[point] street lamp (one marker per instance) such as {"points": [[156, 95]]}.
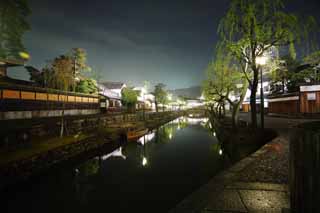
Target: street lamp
{"points": [[262, 60]]}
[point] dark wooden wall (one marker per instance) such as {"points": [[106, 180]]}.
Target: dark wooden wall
{"points": [[291, 106], [309, 106], [22, 100]]}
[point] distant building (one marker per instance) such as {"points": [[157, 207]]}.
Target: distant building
{"points": [[145, 98], [5, 63], [192, 103], [266, 92], [112, 93], [115, 87]]}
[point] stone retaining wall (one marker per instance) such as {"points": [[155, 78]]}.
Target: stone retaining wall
{"points": [[15, 133]]}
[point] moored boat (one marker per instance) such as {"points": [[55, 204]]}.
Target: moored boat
{"points": [[135, 133]]}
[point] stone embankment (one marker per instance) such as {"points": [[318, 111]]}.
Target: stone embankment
{"points": [[94, 134]]}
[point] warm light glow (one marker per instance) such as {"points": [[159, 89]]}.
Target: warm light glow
{"points": [[170, 135], [144, 161], [220, 152], [262, 60], [214, 134], [24, 55]]}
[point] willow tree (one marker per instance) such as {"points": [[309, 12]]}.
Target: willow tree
{"points": [[224, 79], [13, 24], [251, 28], [313, 60]]}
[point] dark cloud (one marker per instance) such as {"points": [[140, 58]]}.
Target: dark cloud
{"points": [[159, 41]]}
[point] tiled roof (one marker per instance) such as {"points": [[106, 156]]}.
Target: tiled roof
{"points": [[108, 93], [112, 85], [10, 62]]}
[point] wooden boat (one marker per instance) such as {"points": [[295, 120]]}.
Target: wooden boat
{"points": [[135, 133]]}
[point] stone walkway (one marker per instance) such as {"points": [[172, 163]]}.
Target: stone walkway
{"points": [[258, 183], [251, 185]]}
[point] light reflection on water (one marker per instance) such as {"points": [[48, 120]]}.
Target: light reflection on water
{"points": [[115, 153], [151, 174]]}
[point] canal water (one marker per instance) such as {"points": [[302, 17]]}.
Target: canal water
{"points": [[151, 174]]}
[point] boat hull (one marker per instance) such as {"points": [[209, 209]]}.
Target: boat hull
{"points": [[133, 135]]}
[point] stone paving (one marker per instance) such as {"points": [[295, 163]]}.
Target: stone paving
{"points": [[231, 192], [258, 183]]}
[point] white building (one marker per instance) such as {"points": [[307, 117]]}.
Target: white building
{"points": [[115, 87]]}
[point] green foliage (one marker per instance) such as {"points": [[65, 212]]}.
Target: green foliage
{"points": [[313, 59], [283, 74], [88, 86], [13, 24], [313, 72], [79, 57], [251, 28], [161, 95], [66, 73], [129, 97], [59, 74], [222, 77], [291, 73]]}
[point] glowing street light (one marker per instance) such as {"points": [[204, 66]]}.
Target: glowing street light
{"points": [[262, 60], [24, 55], [144, 161]]}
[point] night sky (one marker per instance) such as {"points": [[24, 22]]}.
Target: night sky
{"points": [[169, 41]]}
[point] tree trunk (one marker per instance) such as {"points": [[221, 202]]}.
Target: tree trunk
{"points": [[235, 114], [236, 106], [253, 107], [62, 122], [253, 97], [156, 106], [223, 110]]}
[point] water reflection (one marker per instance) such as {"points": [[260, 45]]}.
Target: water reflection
{"points": [[115, 153], [89, 168], [146, 138], [177, 157]]}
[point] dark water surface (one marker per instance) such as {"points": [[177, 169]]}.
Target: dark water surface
{"points": [[150, 175]]}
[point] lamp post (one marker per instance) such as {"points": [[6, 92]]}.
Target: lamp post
{"points": [[261, 61]]}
